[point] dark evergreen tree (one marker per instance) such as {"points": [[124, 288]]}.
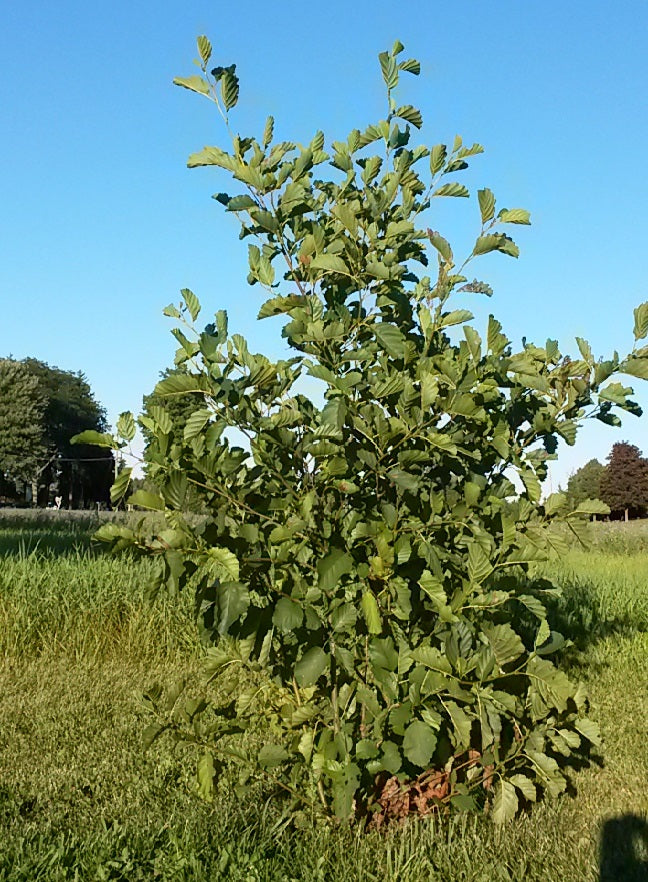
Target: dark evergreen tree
{"points": [[624, 484]]}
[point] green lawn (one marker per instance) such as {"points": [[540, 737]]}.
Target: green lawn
{"points": [[79, 799]]}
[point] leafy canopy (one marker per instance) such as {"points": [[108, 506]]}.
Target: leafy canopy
{"points": [[362, 575]]}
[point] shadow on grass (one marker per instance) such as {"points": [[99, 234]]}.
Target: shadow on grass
{"points": [[624, 850]]}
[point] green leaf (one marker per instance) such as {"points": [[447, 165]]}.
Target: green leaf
{"points": [[205, 774], [514, 216], [272, 755], [192, 303], [455, 317], [196, 422], [371, 612], [479, 566], [268, 131], [409, 114], [204, 49], [330, 263], [224, 563], [591, 507], [486, 204], [411, 65], [390, 338], [589, 730], [641, 321], [461, 723], [120, 485], [311, 666], [636, 367], [126, 426], [232, 602], [331, 568], [452, 189], [437, 158], [97, 439], [280, 305], [144, 499], [194, 83], [441, 245], [505, 643], [525, 786], [419, 743], [505, 802], [287, 615], [389, 70], [229, 89]]}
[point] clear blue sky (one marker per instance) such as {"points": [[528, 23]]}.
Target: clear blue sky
{"points": [[102, 223]]}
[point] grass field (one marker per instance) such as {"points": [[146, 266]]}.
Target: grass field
{"points": [[80, 799]]}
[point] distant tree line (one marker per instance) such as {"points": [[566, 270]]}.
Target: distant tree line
{"points": [[41, 408], [622, 483]]}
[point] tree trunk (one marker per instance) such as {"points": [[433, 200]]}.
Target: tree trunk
{"points": [[626, 515]]}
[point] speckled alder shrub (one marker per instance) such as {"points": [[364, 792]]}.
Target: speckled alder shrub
{"points": [[363, 572]]}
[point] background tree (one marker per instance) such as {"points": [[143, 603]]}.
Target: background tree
{"points": [[42, 407], [624, 484], [585, 483], [22, 447]]}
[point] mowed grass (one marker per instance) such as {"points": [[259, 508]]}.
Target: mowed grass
{"points": [[80, 799]]}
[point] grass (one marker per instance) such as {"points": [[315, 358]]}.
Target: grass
{"points": [[80, 799]]}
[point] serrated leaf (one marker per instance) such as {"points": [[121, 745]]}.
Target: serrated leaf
{"points": [[126, 426], [287, 615], [120, 485], [330, 263], [486, 199], [514, 216], [331, 568], [144, 499], [525, 786], [635, 367], [461, 724], [442, 245], [311, 666], [591, 507], [505, 802], [455, 317], [204, 49], [194, 83], [437, 158], [229, 89], [205, 773], [419, 743], [411, 65], [232, 602], [409, 114], [97, 439], [390, 338], [272, 755], [452, 189], [268, 131], [371, 612], [505, 643], [479, 566], [641, 321], [589, 730], [196, 422]]}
